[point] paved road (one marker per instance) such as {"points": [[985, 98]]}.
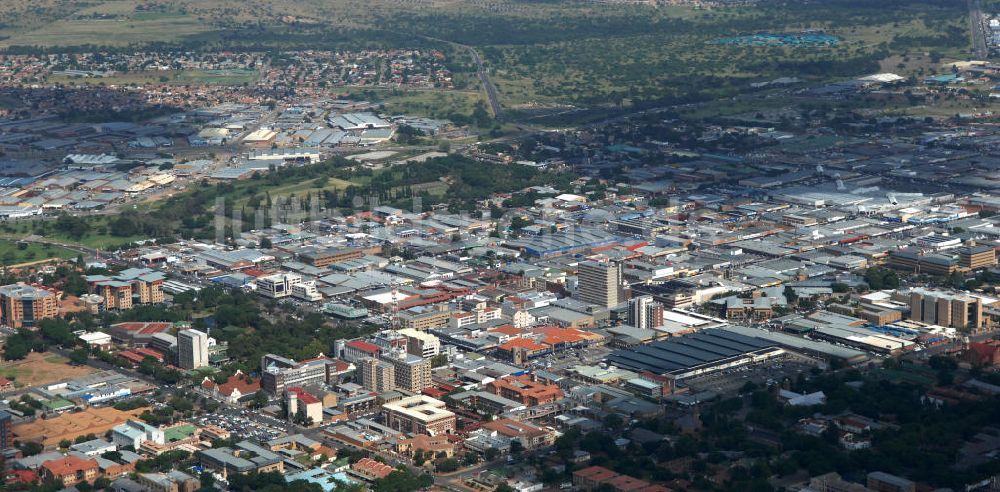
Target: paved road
{"points": [[481, 72], [977, 25], [484, 77]]}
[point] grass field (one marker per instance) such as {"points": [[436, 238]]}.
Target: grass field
{"points": [[12, 254], [39, 369], [111, 32], [435, 104], [97, 237], [297, 189]]}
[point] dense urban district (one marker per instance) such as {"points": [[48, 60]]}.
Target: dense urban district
{"points": [[499, 246]]}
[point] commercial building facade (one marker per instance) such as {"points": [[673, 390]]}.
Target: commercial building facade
{"points": [[279, 373], [419, 414], [598, 283], [376, 375], [412, 373], [192, 349], [946, 309]]}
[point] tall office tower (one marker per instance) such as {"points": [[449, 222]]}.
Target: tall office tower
{"points": [[377, 375], [644, 312], [412, 372], [599, 283], [192, 349]]}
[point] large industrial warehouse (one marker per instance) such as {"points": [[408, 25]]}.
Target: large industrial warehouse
{"points": [[696, 354]]}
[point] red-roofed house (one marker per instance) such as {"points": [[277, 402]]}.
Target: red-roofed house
{"points": [[370, 469], [14, 477], [236, 387], [6, 385]]}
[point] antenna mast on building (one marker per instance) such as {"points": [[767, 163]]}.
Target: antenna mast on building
{"points": [[394, 307]]}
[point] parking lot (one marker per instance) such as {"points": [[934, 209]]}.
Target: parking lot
{"points": [[261, 427], [570, 357], [730, 381]]}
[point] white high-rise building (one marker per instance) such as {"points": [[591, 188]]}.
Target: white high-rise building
{"points": [[644, 312], [192, 349]]}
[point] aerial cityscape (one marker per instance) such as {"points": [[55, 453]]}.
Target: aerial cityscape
{"points": [[504, 246]]}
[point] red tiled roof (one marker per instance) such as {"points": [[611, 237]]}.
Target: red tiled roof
{"points": [[148, 352], [131, 356], [374, 468], [595, 473], [69, 465], [363, 346], [433, 392], [625, 483], [553, 335], [144, 328], [522, 343], [237, 381], [655, 488], [507, 330], [303, 395], [20, 476], [4, 381]]}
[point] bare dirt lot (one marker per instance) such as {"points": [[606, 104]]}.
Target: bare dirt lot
{"points": [[95, 421], [39, 369]]}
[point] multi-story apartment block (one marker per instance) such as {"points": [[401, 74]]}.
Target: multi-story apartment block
{"points": [[474, 317], [128, 287], [25, 305], [644, 312], [974, 257]]}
